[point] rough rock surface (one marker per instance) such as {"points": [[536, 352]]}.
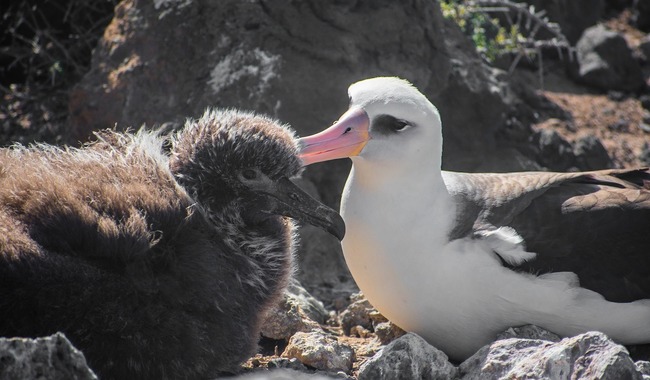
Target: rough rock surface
{"points": [[285, 319], [388, 331], [591, 154], [587, 356], [606, 61], [321, 351], [644, 368], [555, 152], [51, 357], [408, 357], [357, 314], [573, 16], [283, 374], [296, 311], [529, 332]]}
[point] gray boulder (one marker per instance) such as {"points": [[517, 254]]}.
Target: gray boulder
{"points": [[587, 356], [555, 152], [591, 154], [408, 357], [606, 62], [52, 358]]}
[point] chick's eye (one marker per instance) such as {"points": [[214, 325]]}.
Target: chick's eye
{"points": [[249, 174]]}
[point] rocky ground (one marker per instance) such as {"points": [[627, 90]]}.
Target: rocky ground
{"points": [[335, 331]]}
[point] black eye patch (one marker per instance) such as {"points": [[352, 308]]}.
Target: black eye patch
{"points": [[387, 125]]}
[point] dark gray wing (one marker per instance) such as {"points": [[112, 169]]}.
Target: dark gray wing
{"points": [[594, 224]]}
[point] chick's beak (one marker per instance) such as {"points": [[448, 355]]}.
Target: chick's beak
{"points": [[283, 197], [345, 138]]}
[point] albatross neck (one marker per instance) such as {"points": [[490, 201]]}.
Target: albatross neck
{"points": [[397, 197]]}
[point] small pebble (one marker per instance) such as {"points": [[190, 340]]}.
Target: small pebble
{"points": [[645, 127], [619, 126], [616, 96]]}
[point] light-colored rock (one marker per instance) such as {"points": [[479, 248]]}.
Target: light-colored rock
{"points": [[284, 374], [644, 368], [529, 332], [408, 357], [357, 314], [52, 358], [308, 303], [587, 356], [293, 313], [321, 351], [388, 331]]}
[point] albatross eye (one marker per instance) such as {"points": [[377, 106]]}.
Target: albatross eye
{"points": [[388, 125], [399, 125]]}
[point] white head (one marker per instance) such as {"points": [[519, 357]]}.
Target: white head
{"points": [[389, 123]]}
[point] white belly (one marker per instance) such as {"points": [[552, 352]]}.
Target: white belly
{"points": [[457, 295]]}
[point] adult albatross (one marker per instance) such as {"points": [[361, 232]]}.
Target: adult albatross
{"points": [[460, 257]]}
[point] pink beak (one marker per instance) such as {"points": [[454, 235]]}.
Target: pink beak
{"points": [[345, 138]]}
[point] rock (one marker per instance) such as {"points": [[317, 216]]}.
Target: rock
{"points": [[388, 331], [573, 16], [554, 151], [310, 305], [357, 314], [617, 96], [644, 48], [408, 357], [529, 332], [618, 5], [283, 374], [292, 363], [645, 102], [51, 357], [323, 271], [620, 125], [359, 332], [587, 356], [641, 15], [606, 62], [591, 154], [644, 368], [645, 154], [644, 127], [286, 318], [321, 351], [276, 57]]}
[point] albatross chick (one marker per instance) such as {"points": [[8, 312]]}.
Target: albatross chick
{"points": [[156, 266]]}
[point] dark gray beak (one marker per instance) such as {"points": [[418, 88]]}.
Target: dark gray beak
{"points": [[283, 197]]}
